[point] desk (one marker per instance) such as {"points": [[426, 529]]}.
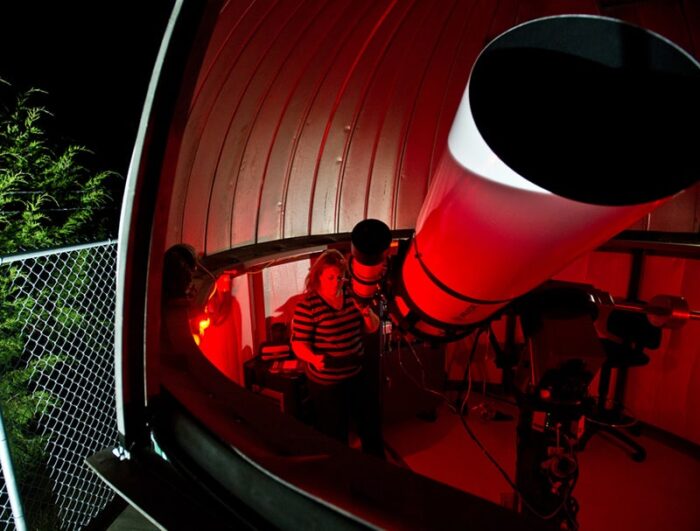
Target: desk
{"points": [[287, 386]]}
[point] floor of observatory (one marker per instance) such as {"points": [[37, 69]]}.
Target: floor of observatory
{"points": [[613, 491]]}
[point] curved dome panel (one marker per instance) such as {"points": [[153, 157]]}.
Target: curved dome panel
{"points": [[309, 116]]}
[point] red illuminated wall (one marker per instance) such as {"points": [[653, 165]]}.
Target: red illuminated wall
{"points": [[308, 116]]}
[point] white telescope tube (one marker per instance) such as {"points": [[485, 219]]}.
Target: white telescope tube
{"points": [[570, 129]]}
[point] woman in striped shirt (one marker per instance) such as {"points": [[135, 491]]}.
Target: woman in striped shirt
{"points": [[327, 334]]}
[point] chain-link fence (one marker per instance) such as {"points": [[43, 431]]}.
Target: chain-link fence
{"points": [[57, 381]]}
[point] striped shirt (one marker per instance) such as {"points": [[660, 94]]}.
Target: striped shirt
{"points": [[336, 334]]}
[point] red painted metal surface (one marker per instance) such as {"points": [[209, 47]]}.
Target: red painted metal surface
{"points": [[309, 116]]}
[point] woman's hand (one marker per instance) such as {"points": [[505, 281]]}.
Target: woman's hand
{"points": [[303, 352], [317, 362], [369, 318]]}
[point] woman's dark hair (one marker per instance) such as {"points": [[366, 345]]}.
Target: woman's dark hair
{"points": [[329, 258]]}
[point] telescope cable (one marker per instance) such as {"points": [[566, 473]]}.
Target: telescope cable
{"points": [[458, 409]]}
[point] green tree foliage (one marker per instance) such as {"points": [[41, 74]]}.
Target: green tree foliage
{"points": [[47, 199]]}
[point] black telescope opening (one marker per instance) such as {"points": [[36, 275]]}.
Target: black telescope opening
{"points": [[592, 109], [370, 239]]}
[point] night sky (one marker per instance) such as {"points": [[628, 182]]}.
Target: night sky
{"points": [[94, 59]]}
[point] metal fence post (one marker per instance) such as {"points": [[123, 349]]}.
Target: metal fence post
{"points": [[8, 473]]}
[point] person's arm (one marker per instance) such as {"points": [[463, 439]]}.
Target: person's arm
{"points": [[370, 320], [302, 334], [303, 351]]}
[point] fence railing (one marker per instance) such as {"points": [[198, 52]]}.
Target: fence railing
{"points": [[57, 381]]}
